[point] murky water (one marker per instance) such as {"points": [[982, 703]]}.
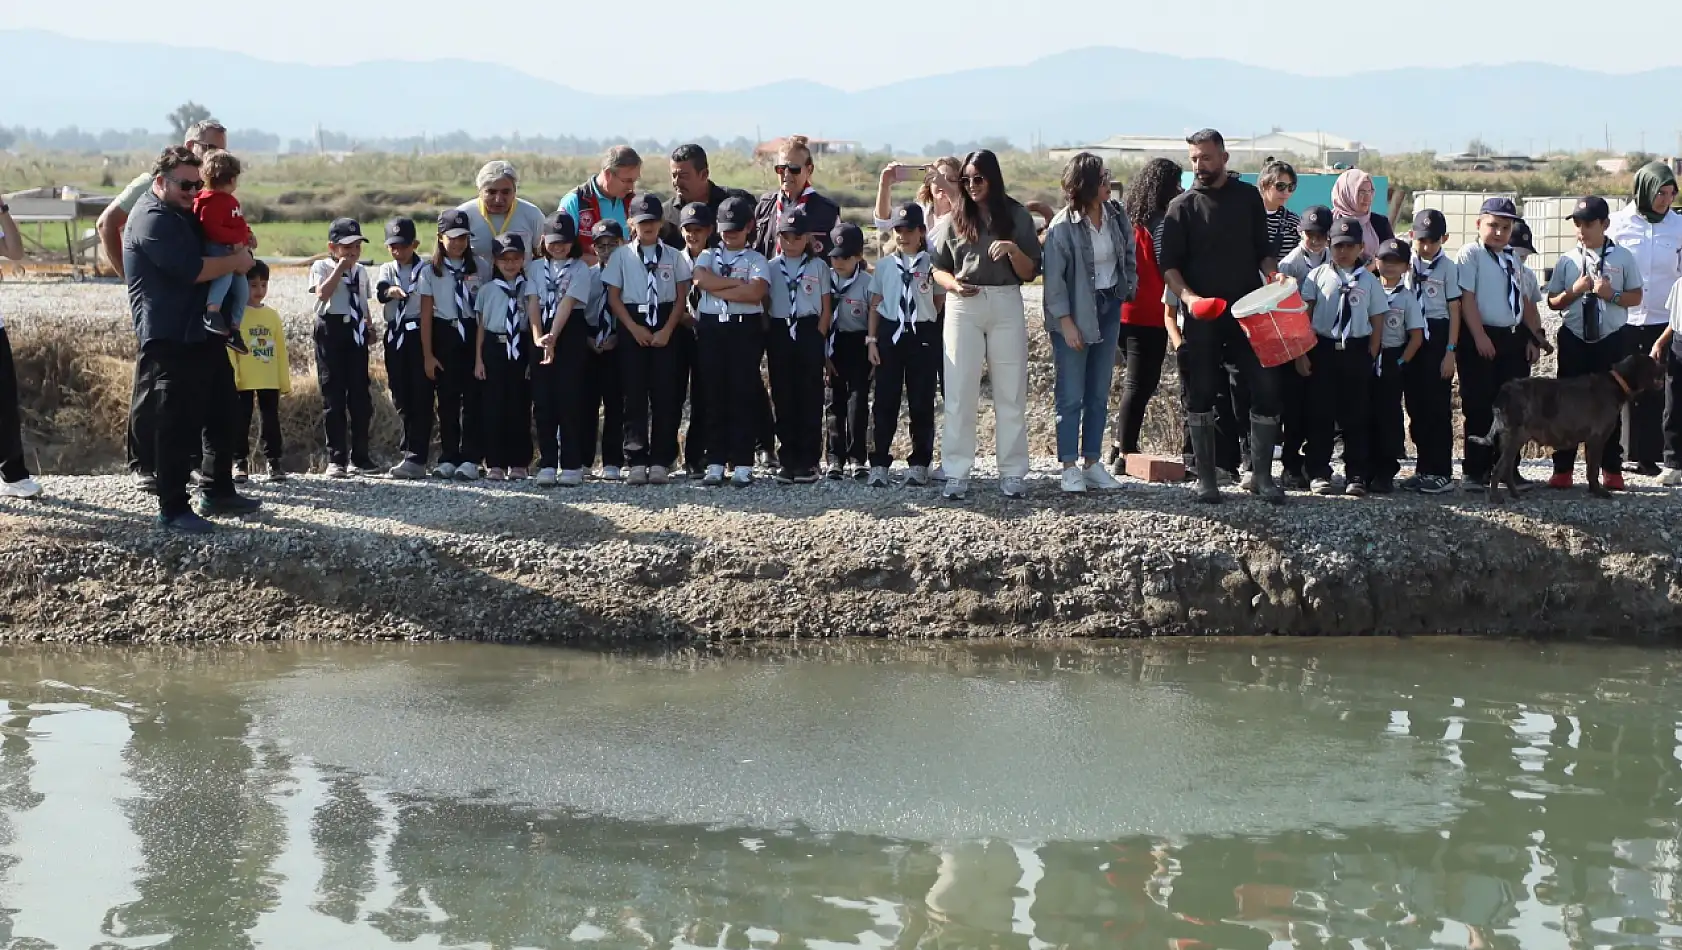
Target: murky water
{"points": [[1284, 794]]}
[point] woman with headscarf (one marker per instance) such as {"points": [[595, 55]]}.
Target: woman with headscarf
{"points": [[1352, 197], [1651, 230]]}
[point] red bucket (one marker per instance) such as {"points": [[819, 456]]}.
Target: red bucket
{"points": [[1277, 323]]}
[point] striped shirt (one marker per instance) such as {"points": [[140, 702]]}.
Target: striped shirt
{"points": [[1282, 234]]}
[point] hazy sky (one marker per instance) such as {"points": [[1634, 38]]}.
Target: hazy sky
{"points": [[871, 41]]}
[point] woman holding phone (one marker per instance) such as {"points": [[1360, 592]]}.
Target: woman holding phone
{"points": [[938, 194], [981, 259]]}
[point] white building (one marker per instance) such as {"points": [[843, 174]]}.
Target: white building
{"points": [[1303, 147]]}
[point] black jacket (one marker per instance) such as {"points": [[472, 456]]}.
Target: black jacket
{"points": [[1217, 238], [671, 234], [823, 213]]}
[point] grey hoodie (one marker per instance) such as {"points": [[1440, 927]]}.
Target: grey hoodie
{"points": [[1070, 275]]}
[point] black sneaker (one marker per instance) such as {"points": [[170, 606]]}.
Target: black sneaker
{"points": [[1648, 470], [227, 505], [185, 523], [236, 342], [146, 483], [1382, 486], [806, 476], [215, 323], [1479, 485], [785, 476]]}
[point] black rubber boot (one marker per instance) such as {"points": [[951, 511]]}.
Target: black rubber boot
{"points": [[1264, 434], [1203, 437]]}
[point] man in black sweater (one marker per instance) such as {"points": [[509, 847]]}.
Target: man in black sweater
{"points": [[1215, 247]]}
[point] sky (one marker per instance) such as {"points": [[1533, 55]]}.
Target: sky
{"points": [[877, 41]]}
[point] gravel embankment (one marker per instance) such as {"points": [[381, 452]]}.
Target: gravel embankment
{"points": [[368, 559]]}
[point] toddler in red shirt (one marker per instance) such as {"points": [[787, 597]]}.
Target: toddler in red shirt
{"points": [[225, 231]]}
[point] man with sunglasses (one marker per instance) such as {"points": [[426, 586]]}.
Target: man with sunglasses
{"points": [[188, 372]]}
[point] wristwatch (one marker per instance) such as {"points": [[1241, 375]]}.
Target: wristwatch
{"points": [[869, 341]]}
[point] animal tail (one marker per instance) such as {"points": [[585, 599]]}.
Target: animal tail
{"points": [[1498, 426]]}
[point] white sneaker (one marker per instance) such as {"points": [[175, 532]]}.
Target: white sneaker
{"points": [[743, 477], [878, 477], [939, 473], [1671, 478], [337, 470], [445, 470], [24, 487], [467, 472], [611, 473], [572, 478], [957, 489], [1013, 487], [714, 476], [1074, 480], [659, 475], [639, 475], [546, 478], [1099, 477], [917, 476]]}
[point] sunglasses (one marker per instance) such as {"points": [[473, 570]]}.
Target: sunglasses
{"points": [[968, 180], [788, 169], [1282, 186], [186, 184]]}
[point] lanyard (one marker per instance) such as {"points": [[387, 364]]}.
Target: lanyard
{"points": [[507, 220]]}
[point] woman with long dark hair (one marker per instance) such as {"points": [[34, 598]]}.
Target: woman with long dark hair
{"points": [[1144, 333], [981, 261], [1090, 271]]}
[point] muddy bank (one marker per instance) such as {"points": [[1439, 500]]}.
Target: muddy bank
{"points": [[353, 560]]}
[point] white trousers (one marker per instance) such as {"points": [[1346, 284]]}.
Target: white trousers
{"points": [[988, 330]]}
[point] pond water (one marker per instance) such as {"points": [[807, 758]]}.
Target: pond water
{"points": [[1317, 793]]}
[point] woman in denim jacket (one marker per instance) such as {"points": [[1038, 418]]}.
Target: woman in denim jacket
{"points": [[1090, 271]]}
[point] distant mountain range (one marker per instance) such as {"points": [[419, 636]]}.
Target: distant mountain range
{"points": [[1076, 97]]}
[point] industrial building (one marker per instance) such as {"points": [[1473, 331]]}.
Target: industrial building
{"points": [[1313, 148]]}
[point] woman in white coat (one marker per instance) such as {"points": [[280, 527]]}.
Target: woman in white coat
{"points": [[1651, 230]]}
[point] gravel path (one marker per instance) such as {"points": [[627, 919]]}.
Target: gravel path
{"points": [[365, 559]]}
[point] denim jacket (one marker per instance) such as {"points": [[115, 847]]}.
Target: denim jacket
{"points": [[1071, 277]]}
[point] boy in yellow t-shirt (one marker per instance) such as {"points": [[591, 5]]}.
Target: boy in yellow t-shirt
{"points": [[261, 376]]}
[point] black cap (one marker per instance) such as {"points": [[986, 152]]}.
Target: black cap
{"points": [[735, 213], [560, 227], [399, 231], [795, 221], [454, 223], [1347, 231], [509, 244], [848, 240], [695, 213], [644, 207], [607, 227], [1500, 208], [1590, 208], [908, 215], [1316, 220], [1429, 225], [1521, 237], [1395, 249], [345, 231]]}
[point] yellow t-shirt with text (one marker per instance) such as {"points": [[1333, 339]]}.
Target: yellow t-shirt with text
{"points": [[265, 366]]}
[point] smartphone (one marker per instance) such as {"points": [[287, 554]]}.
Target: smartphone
{"points": [[908, 172]]}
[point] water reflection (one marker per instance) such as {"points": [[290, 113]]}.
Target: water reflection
{"points": [[191, 800]]}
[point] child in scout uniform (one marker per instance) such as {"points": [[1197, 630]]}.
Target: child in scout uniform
{"points": [[449, 330], [733, 278], [1315, 226], [507, 308], [1428, 379], [904, 344], [1348, 308], [647, 291], [1667, 352], [397, 288], [1492, 347], [562, 280], [1403, 335], [696, 223], [341, 290], [800, 316], [261, 376], [600, 413], [1593, 286], [849, 357]]}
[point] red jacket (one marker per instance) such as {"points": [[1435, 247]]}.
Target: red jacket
{"points": [[1145, 310], [221, 217]]}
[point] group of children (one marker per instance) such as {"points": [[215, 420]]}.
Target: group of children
{"points": [[582, 339], [1396, 328]]}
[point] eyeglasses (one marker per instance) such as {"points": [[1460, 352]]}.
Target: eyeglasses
{"points": [[1282, 186], [968, 180], [186, 184], [788, 169]]}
